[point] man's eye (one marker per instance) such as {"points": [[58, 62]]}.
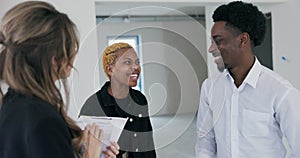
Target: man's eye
{"points": [[218, 42]]}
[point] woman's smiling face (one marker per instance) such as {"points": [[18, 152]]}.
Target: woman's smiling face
{"points": [[126, 69]]}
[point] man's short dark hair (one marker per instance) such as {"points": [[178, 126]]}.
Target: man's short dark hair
{"points": [[244, 17]]}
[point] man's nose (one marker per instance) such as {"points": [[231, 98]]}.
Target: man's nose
{"points": [[212, 48]]}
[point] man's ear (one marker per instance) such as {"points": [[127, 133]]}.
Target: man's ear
{"points": [[245, 38]]}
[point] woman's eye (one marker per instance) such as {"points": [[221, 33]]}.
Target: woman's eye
{"points": [[137, 62], [127, 62]]}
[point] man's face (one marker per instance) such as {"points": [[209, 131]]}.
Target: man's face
{"points": [[213, 49], [227, 43]]}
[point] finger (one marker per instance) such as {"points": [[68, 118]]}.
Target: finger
{"points": [[85, 134], [115, 144], [100, 134], [113, 149], [109, 154], [93, 128], [96, 131], [91, 134], [94, 143], [87, 127]]}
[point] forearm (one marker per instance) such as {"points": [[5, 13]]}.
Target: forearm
{"points": [[205, 147]]}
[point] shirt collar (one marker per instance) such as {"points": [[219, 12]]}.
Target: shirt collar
{"points": [[253, 75], [109, 100]]}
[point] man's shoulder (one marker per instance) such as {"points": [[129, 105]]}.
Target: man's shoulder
{"points": [[215, 78], [275, 79]]}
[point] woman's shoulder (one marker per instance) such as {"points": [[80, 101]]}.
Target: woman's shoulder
{"points": [[39, 123], [28, 108], [29, 113]]}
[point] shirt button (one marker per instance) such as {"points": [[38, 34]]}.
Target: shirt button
{"points": [[131, 119], [134, 134], [137, 149], [140, 115]]}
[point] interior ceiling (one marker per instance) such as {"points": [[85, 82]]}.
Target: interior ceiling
{"points": [[147, 9]]}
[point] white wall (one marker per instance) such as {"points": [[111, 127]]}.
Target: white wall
{"points": [[286, 25]]}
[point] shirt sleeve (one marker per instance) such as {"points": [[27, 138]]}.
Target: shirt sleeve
{"points": [[205, 142], [49, 138], [287, 115]]}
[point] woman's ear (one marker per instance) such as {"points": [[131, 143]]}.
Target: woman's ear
{"points": [[109, 69], [55, 67], [54, 63]]}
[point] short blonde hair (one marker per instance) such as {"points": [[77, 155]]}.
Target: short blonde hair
{"points": [[109, 55]]}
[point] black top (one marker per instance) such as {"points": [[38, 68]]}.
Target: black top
{"points": [[32, 128], [137, 136]]}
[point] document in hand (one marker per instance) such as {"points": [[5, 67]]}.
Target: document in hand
{"points": [[112, 126]]}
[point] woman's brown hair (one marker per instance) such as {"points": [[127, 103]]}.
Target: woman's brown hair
{"points": [[32, 35]]}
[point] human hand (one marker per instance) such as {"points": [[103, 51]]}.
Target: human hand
{"points": [[93, 135], [111, 151]]}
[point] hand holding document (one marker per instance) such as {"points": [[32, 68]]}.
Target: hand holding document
{"points": [[112, 127]]}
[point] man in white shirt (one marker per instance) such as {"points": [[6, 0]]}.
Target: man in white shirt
{"points": [[246, 110]]}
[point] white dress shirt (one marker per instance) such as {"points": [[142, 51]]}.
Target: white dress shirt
{"points": [[248, 121]]}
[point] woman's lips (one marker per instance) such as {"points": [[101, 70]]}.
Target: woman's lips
{"points": [[134, 77]]}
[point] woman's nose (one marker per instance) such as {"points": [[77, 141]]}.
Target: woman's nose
{"points": [[134, 67]]}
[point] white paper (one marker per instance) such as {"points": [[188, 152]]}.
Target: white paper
{"points": [[112, 127]]}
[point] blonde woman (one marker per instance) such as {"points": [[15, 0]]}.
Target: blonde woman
{"points": [[38, 48], [116, 98]]}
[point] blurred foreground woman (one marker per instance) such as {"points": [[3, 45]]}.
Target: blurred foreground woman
{"points": [[38, 48]]}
